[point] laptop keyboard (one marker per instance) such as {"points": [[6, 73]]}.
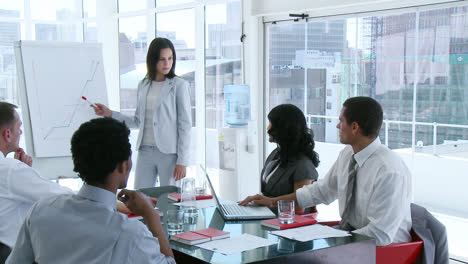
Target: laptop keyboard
{"points": [[234, 209]]}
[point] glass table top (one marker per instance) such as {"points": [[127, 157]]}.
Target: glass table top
{"points": [[211, 218]]}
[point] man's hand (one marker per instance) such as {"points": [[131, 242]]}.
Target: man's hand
{"points": [[137, 202], [179, 172], [152, 200], [258, 199], [22, 156], [122, 208]]}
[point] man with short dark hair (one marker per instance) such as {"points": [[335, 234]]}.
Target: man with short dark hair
{"points": [[20, 185], [371, 182], [85, 228]]}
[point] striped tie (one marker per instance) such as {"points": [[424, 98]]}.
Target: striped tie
{"points": [[352, 170]]}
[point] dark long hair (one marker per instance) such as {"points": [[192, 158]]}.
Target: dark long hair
{"points": [[289, 130], [152, 57]]}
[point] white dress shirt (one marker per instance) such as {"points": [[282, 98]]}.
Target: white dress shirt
{"points": [[383, 193], [20, 187], [84, 228]]}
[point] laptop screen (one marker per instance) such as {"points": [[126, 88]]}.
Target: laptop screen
{"points": [[211, 186]]}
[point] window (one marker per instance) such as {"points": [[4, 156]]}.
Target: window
{"points": [[133, 45], [160, 3], [393, 60], [58, 32], [59, 21], [131, 5], [182, 35], [10, 31], [89, 8], [223, 58], [90, 32], [221, 65], [56, 10]]}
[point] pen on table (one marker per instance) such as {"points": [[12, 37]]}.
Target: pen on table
{"points": [[86, 99]]}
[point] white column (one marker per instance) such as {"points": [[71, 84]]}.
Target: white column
{"points": [[108, 36], [253, 50], [150, 21], [200, 126]]}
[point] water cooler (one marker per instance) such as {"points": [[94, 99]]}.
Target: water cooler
{"points": [[238, 174], [238, 166]]}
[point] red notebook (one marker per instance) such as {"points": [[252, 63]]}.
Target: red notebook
{"points": [[212, 233], [190, 238], [199, 236], [299, 220], [176, 197]]}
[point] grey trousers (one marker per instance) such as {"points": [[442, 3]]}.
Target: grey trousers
{"points": [[152, 163]]}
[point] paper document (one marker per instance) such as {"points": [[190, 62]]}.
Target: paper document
{"points": [[311, 232], [237, 244], [198, 203]]}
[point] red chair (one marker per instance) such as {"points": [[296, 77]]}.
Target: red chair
{"points": [[400, 253], [397, 253]]}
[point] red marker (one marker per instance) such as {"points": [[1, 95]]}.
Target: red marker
{"points": [[84, 98]]}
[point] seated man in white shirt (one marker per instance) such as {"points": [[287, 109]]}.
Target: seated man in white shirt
{"points": [[371, 182], [20, 185], [85, 228]]}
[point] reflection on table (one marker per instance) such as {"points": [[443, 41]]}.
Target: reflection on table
{"points": [[355, 249]]}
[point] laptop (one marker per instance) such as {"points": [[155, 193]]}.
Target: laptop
{"points": [[233, 211]]}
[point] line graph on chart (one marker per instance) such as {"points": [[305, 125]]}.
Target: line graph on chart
{"points": [[71, 109], [57, 75]]}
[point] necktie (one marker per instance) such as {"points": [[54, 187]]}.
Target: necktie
{"points": [[352, 171]]}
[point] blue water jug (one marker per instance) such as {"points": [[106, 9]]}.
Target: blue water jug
{"points": [[237, 98]]}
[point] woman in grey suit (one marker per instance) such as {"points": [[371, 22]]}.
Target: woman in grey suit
{"points": [[292, 164], [163, 116]]}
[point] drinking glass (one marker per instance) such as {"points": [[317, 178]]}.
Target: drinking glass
{"points": [[188, 190], [286, 211], [175, 220], [188, 194], [200, 185]]}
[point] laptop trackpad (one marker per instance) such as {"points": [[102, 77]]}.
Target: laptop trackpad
{"points": [[258, 210]]}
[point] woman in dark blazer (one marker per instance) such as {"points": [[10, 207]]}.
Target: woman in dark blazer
{"points": [[292, 164]]}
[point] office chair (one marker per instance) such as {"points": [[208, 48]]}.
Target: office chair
{"points": [[428, 245], [433, 233], [397, 253]]}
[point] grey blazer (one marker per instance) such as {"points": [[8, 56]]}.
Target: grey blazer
{"points": [[172, 118], [283, 179], [432, 233]]}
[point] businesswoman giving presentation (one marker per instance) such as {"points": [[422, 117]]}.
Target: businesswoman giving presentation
{"points": [[163, 117]]}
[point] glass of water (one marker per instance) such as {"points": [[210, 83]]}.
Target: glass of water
{"points": [[187, 192], [175, 220], [286, 211]]}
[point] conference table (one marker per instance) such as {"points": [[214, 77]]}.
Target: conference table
{"points": [[352, 249]]}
